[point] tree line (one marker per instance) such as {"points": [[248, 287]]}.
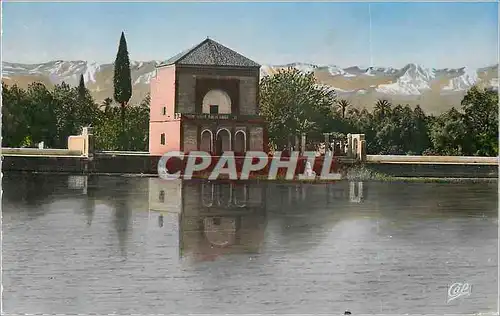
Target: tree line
{"points": [[37, 114], [291, 101]]}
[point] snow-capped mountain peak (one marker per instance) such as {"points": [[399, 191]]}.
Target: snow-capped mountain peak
{"points": [[335, 70], [58, 71], [304, 67], [468, 77], [413, 79]]}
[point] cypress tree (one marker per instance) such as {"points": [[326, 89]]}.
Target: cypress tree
{"points": [[122, 80], [81, 87]]}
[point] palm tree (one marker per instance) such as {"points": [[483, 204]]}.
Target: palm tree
{"points": [[343, 104], [382, 108], [106, 105], [353, 112]]}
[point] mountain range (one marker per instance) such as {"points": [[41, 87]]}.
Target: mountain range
{"points": [[435, 90]]}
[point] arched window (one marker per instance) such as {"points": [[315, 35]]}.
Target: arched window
{"points": [[207, 139], [223, 141], [216, 102], [240, 141]]}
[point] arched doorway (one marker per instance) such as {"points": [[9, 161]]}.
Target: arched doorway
{"points": [[223, 141], [206, 142], [240, 142], [355, 148]]}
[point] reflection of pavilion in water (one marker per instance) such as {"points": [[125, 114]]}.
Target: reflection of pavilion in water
{"points": [[214, 218], [304, 195]]}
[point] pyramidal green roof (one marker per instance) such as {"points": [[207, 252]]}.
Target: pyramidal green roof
{"points": [[210, 53]]}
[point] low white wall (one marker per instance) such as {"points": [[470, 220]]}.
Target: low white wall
{"points": [[39, 152], [432, 159]]}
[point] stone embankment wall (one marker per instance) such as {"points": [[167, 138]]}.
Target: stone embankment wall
{"points": [[143, 163], [123, 162], [37, 163], [433, 166], [134, 164]]}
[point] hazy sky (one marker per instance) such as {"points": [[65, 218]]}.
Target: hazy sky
{"points": [[433, 34]]}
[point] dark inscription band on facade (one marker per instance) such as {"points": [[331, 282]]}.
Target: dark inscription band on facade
{"points": [[208, 116]]}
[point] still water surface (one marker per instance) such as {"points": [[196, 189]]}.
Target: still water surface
{"points": [[137, 245]]}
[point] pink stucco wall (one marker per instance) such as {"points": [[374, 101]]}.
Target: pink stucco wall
{"points": [[163, 95], [172, 130]]}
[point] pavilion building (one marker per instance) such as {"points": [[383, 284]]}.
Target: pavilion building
{"points": [[206, 98]]}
